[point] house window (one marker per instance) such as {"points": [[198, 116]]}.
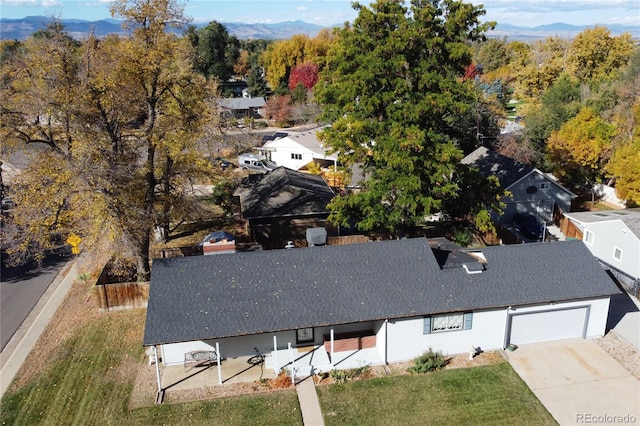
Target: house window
{"points": [[588, 237], [304, 335], [449, 322], [296, 156], [617, 253], [545, 185]]}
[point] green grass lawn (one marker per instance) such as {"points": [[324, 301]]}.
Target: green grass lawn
{"points": [[89, 380], [491, 394]]}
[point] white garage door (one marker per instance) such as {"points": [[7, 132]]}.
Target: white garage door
{"points": [[548, 325]]}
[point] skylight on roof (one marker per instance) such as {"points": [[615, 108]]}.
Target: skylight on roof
{"points": [[620, 213], [601, 214]]}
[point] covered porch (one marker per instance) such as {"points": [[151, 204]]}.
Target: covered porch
{"points": [[303, 361]]}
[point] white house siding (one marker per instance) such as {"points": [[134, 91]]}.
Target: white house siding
{"points": [[540, 203], [284, 148], [611, 234], [405, 338], [230, 347]]}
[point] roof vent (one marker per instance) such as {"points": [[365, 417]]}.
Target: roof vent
{"points": [[473, 267]]}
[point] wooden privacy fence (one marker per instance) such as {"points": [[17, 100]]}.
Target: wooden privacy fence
{"points": [[119, 296]]}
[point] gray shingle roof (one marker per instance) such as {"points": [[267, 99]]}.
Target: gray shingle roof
{"points": [[490, 163], [242, 103], [285, 192], [208, 297], [630, 217]]}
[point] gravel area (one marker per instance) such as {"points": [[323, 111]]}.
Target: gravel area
{"points": [[622, 352]]}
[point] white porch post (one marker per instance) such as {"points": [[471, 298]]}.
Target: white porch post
{"points": [[386, 338], [155, 355], [219, 363], [275, 354], [293, 365], [332, 348]]}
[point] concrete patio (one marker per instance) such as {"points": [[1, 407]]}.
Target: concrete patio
{"points": [[305, 360]]}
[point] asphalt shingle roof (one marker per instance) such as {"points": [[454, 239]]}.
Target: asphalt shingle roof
{"points": [[630, 217], [285, 192], [490, 163], [208, 297]]}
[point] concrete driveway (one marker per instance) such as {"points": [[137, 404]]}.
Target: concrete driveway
{"points": [[578, 382]]}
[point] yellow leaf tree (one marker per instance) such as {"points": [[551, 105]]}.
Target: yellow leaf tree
{"points": [[580, 149]]}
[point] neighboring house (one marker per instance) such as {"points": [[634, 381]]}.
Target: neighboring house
{"points": [[297, 149], [375, 303], [532, 191], [613, 237], [242, 107], [281, 204]]}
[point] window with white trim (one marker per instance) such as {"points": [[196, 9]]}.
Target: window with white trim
{"points": [[617, 253], [296, 156], [545, 185], [304, 335], [447, 322], [588, 237]]}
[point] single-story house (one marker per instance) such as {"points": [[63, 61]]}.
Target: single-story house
{"points": [[242, 107], [613, 237], [374, 303], [294, 150], [532, 191], [283, 203]]}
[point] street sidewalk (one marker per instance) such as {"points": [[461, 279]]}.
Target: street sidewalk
{"points": [[25, 338]]}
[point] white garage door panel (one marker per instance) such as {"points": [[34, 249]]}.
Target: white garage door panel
{"points": [[549, 325]]}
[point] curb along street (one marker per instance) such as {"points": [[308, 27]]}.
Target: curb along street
{"points": [[25, 338]]}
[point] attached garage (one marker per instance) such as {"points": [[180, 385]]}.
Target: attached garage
{"points": [[543, 326]]}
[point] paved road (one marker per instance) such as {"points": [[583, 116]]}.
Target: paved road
{"points": [[20, 290]]}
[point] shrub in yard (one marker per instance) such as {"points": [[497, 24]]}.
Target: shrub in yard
{"points": [[462, 236], [428, 361], [342, 376]]}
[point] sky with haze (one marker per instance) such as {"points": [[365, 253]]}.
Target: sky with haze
{"points": [[527, 13]]}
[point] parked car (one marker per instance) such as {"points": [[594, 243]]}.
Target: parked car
{"points": [[528, 225], [256, 162]]}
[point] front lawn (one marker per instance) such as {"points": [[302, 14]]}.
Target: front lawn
{"points": [[491, 394]]}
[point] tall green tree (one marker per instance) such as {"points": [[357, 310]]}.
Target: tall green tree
{"points": [[216, 50], [392, 90]]}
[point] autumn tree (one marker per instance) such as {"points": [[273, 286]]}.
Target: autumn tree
{"points": [[595, 55], [580, 149], [306, 74], [559, 103], [120, 153], [545, 61], [393, 93], [280, 57]]}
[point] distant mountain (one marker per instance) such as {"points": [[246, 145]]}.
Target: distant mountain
{"points": [[557, 29], [20, 29]]}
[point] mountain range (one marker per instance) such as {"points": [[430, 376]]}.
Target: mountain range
{"points": [[20, 29]]}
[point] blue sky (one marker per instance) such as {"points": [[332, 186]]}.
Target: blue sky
{"points": [[528, 13]]}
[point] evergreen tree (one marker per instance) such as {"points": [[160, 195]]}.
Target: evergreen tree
{"points": [[393, 91]]}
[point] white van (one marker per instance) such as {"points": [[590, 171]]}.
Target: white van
{"points": [[256, 162]]}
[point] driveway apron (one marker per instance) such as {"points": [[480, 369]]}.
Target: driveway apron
{"points": [[578, 382]]}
